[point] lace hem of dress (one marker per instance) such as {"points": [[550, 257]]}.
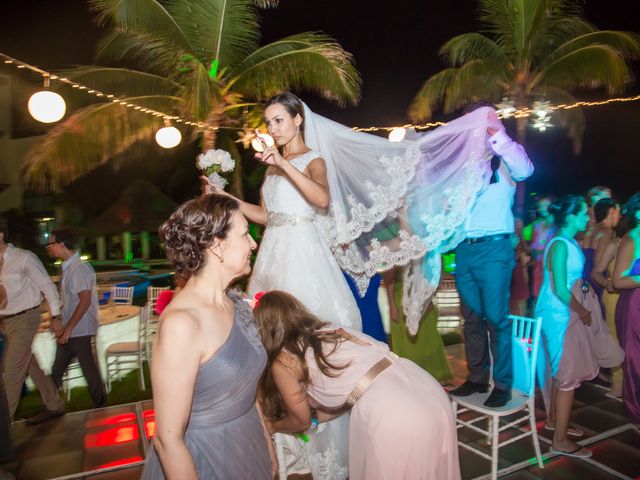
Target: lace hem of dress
{"points": [[340, 229], [325, 465]]}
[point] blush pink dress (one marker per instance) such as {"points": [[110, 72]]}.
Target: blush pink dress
{"points": [[402, 427]]}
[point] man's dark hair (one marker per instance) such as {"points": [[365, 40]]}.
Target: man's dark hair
{"points": [[67, 236]]}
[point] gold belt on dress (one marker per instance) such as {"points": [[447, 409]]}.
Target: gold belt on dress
{"points": [[278, 219], [369, 377]]}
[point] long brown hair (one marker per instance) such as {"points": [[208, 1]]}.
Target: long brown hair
{"points": [[284, 323]]}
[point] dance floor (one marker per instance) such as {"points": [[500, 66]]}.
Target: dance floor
{"points": [[110, 443]]}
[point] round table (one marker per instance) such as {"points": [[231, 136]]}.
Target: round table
{"points": [[118, 323]]}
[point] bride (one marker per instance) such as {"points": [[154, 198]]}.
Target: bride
{"points": [[334, 198]]}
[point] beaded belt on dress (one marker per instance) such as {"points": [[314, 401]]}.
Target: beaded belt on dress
{"points": [[369, 377], [278, 219]]}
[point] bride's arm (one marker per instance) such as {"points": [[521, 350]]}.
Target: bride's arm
{"points": [[254, 213], [315, 186]]}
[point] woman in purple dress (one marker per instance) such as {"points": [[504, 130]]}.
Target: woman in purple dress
{"points": [[626, 278]]}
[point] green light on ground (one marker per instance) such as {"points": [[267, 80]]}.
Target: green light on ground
{"points": [[214, 69]]}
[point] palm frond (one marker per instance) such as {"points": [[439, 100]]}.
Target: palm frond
{"points": [[148, 52], [627, 43], [199, 93], [122, 81], [90, 137], [592, 66], [472, 46], [141, 16], [226, 30], [311, 61], [267, 3], [431, 95]]}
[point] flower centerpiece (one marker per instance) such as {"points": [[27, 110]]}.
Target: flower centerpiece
{"points": [[212, 163]]}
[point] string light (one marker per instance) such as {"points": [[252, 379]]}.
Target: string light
{"points": [[523, 112]]}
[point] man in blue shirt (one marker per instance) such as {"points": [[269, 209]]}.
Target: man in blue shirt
{"points": [[484, 264]]}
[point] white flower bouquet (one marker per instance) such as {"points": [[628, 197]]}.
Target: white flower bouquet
{"points": [[213, 162]]}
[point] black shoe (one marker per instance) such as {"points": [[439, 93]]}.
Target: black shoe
{"points": [[469, 387], [498, 398], [44, 415]]}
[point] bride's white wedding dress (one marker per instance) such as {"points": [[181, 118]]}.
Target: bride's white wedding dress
{"points": [[295, 257]]}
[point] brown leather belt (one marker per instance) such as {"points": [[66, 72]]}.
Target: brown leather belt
{"points": [[4, 317], [369, 377]]}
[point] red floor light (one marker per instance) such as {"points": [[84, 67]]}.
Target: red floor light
{"points": [[150, 428], [112, 436]]}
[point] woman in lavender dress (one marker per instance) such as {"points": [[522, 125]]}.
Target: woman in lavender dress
{"points": [[626, 278], [208, 358]]}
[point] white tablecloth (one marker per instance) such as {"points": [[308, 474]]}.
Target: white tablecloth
{"points": [[118, 323]]}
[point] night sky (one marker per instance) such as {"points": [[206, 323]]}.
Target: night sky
{"points": [[395, 48]]}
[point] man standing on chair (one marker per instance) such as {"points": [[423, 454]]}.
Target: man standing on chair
{"points": [[23, 281], [484, 264], [80, 316]]}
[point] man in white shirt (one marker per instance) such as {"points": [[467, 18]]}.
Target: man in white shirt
{"points": [[484, 264], [80, 315], [23, 280]]}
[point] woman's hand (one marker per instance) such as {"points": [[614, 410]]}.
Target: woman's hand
{"points": [[270, 156], [585, 317], [207, 187], [610, 287]]}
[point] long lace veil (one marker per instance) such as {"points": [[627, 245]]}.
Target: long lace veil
{"points": [[400, 203]]}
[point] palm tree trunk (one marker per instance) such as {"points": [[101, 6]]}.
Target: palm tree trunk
{"points": [[521, 187]]}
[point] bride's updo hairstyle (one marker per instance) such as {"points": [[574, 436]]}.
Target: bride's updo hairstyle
{"points": [[192, 228], [292, 104], [565, 206]]}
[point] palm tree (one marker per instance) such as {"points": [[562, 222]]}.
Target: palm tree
{"points": [[200, 60], [529, 50]]}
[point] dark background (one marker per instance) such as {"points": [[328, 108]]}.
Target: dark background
{"points": [[395, 47]]}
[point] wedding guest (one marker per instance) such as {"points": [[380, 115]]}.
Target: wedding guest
{"points": [[602, 274], [485, 261], [24, 281], [368, 306], [208, 358], [520, 282], [626, 278], [425, 348], [585, 239], [542, 232], [572, 350], [606, 213], [6, 447], [78, 327], [317, 370]]}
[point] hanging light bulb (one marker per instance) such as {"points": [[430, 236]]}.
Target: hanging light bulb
{"points": [[266, 138], [46, 106], [168, 136], [397, 134]]}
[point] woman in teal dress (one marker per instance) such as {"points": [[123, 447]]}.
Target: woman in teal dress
{"points": [[425, 348]]}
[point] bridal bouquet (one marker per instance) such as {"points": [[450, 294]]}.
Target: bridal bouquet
{"points": [[214, 161]]}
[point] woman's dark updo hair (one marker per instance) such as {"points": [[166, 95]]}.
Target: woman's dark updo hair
{"points": [[192, 228], [565, 206], [630, 210], [291, 103], [602, 207]]}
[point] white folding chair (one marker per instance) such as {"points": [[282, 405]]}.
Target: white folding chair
{"points": [[129, 353], [152, 296], [526, 342], [122, 295]]}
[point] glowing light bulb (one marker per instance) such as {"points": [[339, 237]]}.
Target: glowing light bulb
{"points": [[168, 137], [397, 134], [46, 106], [266, 138]]}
